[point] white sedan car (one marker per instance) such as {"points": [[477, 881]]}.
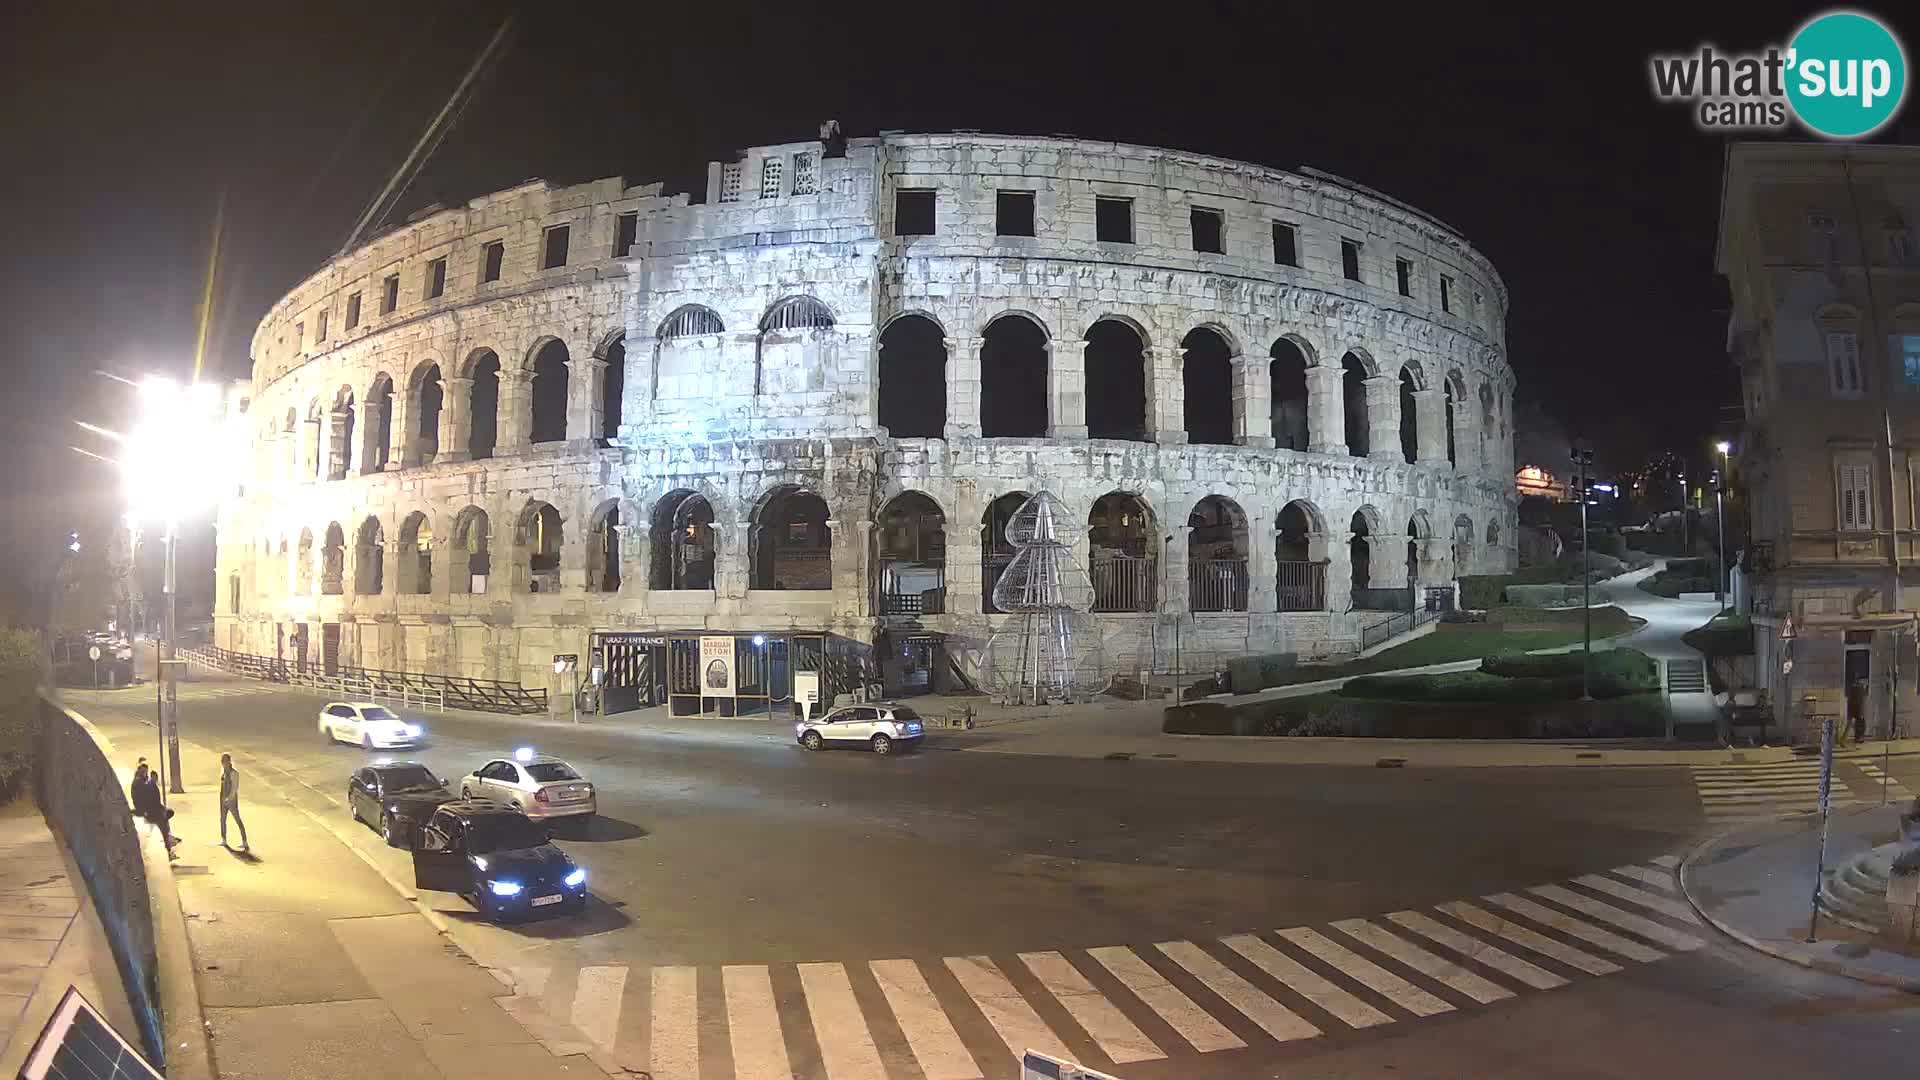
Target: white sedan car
{"points": [[373, 727], [882, 726], [543, 787]]}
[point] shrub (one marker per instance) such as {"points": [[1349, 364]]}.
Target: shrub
{"points": [[22, 670], [1208, 718], [1481, 591], [1247, 674]]}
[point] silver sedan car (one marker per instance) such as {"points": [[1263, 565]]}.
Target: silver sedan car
{"points": [[542, 786]]}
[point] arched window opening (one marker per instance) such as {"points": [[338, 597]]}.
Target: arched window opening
{"points": [[428, 398], [549, 394], [341, 448], [603, 552], [910, 556], [793, 353], [1287, 382], [1207, 376], [370, 559], [1013, 379], [484, 432], [1116, 382], [1353, 396], [1493, 534], [540, 539], [416, 555], [1124, 554], [291, 445], [1360, 552], [333, 561], [1409, 418], [469, 554], [684, 361], [320, 421], [1486, 422], [374, 455], [303, 570], [996, 551], [1300, 553], [1452, 454], [793, 547], [613, 385], [913, 378], [682, 535], [797, 313], [1217, 550], [1419, 529], [690, 321], [1462, 544]]}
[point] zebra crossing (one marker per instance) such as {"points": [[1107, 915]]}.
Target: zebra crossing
{"points": [[1731, 794], [970, 1017]]}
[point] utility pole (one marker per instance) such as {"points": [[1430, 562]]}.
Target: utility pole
{"points": [[169, 669], [1720, 516], [1582, 480]]}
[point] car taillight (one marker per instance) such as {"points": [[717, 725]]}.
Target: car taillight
{"points": [[540, 796]]}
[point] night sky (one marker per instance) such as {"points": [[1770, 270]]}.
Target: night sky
{"points": [[1537, 138]]}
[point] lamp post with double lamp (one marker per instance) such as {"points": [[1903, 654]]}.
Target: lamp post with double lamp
{"points": [[1720, 522], [174, 464], [1581, 479]]}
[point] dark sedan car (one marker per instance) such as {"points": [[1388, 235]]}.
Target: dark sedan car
{"points": [[498, 859], [395, 799]]}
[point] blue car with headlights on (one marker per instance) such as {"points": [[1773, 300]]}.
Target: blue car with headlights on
{"points": [[499, 859]]}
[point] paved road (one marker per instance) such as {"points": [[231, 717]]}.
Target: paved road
{"points": [[1161, 918]]}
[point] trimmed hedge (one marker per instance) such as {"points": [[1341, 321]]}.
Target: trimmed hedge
{"points": [[1518, 677], [1247, 674]]}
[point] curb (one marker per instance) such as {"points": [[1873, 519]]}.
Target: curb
{"points": [[1857, 972], [184, 1022]]}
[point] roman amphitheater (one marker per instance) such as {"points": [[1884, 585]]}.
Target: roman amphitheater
{"points": [[609, 422]]}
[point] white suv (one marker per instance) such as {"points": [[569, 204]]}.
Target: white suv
{"points": [[881, 725], [374, 727]]}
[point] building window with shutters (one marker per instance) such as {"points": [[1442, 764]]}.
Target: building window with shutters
{"points": [[770, 169], [730, 182], [1843, 363], [804, 178], [1856, 498]]}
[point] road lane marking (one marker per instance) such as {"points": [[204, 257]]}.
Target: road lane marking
{"points": [[1019, 1026], [1274, 1018], [753, 1024], [1474, 949], [846, 1046], [1659, 879], [936, 1046], [1585, 931], [1625, 920], [1193, 1023], [596, 1003], [1306, 982], [1116, 1035], [1672, 909], [1436, 968], [1527, 939], [1665, 860], [674, 1049], [1367, 973]]}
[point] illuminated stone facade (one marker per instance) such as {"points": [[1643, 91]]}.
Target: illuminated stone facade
{"points": [[794, 405]]}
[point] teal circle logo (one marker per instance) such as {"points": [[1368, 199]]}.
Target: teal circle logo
{"points": [[1848, 75]]}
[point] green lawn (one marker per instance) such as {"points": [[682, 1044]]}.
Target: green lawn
{"points": [[1632, 716], [1541, 629]]}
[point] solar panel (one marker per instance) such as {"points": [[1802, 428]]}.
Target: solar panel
{"points": [[79, 1044]]}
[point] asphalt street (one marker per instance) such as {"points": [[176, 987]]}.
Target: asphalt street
{"points": [[722, 847]]}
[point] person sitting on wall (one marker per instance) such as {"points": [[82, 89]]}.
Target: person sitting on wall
{"points": [[145, 795]]}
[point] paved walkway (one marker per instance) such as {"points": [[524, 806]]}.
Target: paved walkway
{"points": [[50, 938]]}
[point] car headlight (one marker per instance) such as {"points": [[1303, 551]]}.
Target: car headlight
{"points": [[412, 730], [480, 862], [576, 879], [504, 888], [800, 729]]}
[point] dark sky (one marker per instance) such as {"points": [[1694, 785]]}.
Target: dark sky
{"points": [[1537, 137]]}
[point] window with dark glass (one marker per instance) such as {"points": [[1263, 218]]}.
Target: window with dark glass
{"points": [[553, 251], [1286, 251], [1113, 220], [1350, 259], [1403, 276], [1209, 228], [1013, 213], [913, 213]]}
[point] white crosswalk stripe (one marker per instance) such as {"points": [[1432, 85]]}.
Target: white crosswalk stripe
{"points": [[1730, 794], [1888, 784], [1196, 989]]}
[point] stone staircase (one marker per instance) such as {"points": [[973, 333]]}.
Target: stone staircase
{"points": [[1854, 893], [1686, 677]]}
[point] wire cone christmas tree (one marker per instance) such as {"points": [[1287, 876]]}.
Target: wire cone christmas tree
{"points": [[1050, 652]]}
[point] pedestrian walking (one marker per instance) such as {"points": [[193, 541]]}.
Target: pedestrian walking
{"points": [[230, 802], [145, 795]]}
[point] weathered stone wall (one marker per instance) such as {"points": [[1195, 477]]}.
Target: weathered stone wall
{"points": [[721, 395]]}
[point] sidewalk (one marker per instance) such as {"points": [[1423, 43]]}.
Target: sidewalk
{"points": [[308, 963], [1756, 884], [50, 938]]}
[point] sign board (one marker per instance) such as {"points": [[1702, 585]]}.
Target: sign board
{"points": [[631, 639], [564, 662], [1786, 627], [93, 652], [716, 666], [806, 692], [1035, 1065]]}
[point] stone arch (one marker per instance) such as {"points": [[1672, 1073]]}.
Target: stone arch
{"points": [[340, 445], [539, 536], [796, 313], [791, 541], [547, 405], [613, 383], [1452, 419], [1362, 530], [1014, 364], [1288, 360], [1116, 379], [378, 414], [303, 569], [426, 397], [1218, 549], [469, 552], [792, 351], [1123, 553], [1487, 423], [913, 378], [910, 556], [915, 313], [682, 541], [996, 551], [333, 561], [483, 416], [604, 545], [1206, 372], [1300, 556], [1462, 544], [1409, 413], [415, 566], [1493, 532], [1355, 370], [690, 320], [370, 558]]}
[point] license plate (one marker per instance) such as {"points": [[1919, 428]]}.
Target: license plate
{"points": [[543, 901]]}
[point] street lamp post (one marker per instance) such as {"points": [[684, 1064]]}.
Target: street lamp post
{"points": [[1581, 479], [1720, 523]]}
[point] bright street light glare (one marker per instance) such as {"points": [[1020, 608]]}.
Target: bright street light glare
{"points": [[178, 457], [1723, 447]]}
